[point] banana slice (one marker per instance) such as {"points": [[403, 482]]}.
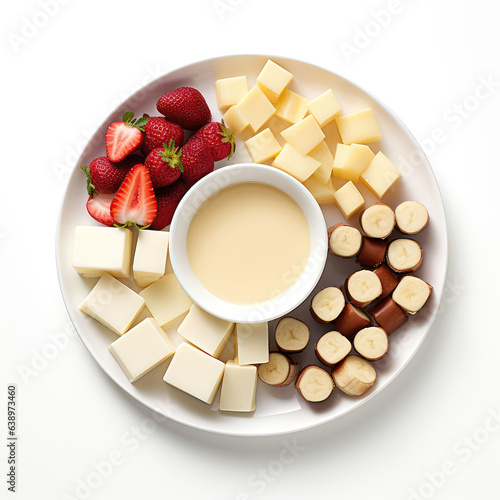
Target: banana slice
{"points": [[354, 375], [314, 384], [327, 304], [291, 335], [331, 348], [378, 221], [404, 255], [363, 287], [411, 294], [279, 371], [411, 217], [372, 343], [344, 240]]}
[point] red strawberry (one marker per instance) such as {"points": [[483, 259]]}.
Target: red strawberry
{"points": [[130, 161], [196, 160], [98, 206], [122, 138], [185, 106], [135, 202], [168, 198], [219, 138], [159, 131], [104, 176], [164, 164]]}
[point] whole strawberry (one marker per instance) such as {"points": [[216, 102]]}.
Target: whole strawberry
{"points": [[124, 137], [159, 131], [104, 176], [220, 139], [185, 106], [168, 198], [164, 164], [196, 160]]}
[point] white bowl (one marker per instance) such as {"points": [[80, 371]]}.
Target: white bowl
{"points": [[207, 187]]}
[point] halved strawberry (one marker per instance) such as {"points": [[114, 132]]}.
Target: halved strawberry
{"points": [[135, 203], [98, 206], [122, 138]]}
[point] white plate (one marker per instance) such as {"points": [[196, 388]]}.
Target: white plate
{"points": [[279, 410]]}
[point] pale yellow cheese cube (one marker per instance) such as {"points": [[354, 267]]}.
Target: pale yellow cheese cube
{"points": [[150, 256], [274, 78], [195, 372], [304, 135], [165, 299], [351, 160], [256, 108], [251, 343], [380, 174], [229, 91], [263, 146], [325, 108], [323, 193], [297, 164], [348, 199], [113, 304], [239, 386], [291, 107], [360, 127], [234, 120], [322, 154], [208, 333], [142, 348]]}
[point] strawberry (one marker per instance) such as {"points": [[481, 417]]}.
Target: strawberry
{"points": [[196, 160], [219, 138], [98, 206], [159, 131], [168, 198], [104, 176], [135, 202], [130, 161], [122, 138], [164, 164], [185, 106]]}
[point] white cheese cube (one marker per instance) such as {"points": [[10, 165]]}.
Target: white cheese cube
{"points": [[274, 78], [256, 108], [165, 299], [99, 250], [208, 333], [150, 256], [113, 304], [325, 108], [323, 193], [380, 174], [195, 372], [291, 107], [351, 160], [304, 135], [262, 146], [322, 154], [348, 199], [360, 127], [142, 348], [239, 386], [235, 121], [297, 164], [229, 91], [251, 344]]}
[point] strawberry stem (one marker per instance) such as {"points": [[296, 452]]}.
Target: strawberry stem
{"points": [[172, 155]]}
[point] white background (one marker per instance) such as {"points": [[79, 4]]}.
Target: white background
{"points": [[425, 59]]}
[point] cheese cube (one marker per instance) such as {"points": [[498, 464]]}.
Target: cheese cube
{"points": [[350, 161], [165, 299], [150, 256], [142, 348], [323, 193], [263, 146], [273, 98], [325, 108], [360, 127], [251, 344], [239, 386], [234, 120], [113, 304], [380, 174], [229, 91], [208, 333], [256, 108], [274, 78], [304, 135], [195, 372], [348, 199], [299, 165], [322, 154], [99, 250], [291, 107]]}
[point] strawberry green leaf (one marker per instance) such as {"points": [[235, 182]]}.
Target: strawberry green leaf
{"points": [[128, 117], [90, 186]]}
